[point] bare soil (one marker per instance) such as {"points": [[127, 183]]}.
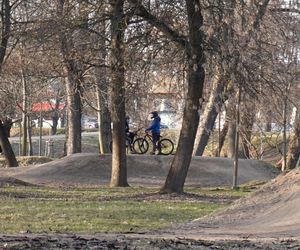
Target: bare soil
{"points": [[267, 219], [88, 169]]}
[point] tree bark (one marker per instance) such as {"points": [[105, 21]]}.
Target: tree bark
{"points": [[117, 90], [180, 164], [210, 113], [73, 79], [24, 112], [247, 121], [5, 35], [195, 56], [5, 29], [222, 136], [55, 115], [294, 144], [230, 114], [73, 112], [54, 118], [29, 133], [6, 147], [268, 125], [104, 119]]}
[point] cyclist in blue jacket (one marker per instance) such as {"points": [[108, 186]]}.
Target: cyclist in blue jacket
{"points": [[155, 130]]}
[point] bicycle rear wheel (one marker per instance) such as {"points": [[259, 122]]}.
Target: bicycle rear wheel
{"points": [[127, 146], [167, 146], [140, 146]]}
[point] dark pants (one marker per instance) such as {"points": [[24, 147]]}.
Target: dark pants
{"points": [[156, 145], [130, 135]]}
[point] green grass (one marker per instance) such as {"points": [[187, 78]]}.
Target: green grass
{"points": [[91, 210]]}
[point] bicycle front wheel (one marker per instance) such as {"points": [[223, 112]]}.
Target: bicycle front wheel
{"points": [[140, 146], [167, 146]]}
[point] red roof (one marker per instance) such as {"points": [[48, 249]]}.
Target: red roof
{"points": [[46, 106]]}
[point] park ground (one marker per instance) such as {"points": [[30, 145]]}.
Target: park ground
{"points": [[67, 204]]}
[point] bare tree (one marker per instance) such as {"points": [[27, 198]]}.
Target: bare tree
{"points": [[193, 47], [5, 35], [117, 92], [73, 78]]}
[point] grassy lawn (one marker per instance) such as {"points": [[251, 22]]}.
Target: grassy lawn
{"points": [[91, 210]]}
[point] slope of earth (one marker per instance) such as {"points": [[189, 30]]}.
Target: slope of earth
{"points": [[95, 169], [271, 212]]}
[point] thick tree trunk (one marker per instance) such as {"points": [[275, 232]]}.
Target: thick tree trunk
{"points": [[6, 147], [294, 144], [210, 114], [180, 164], [119, 164], [5, 35], [74, 114]]}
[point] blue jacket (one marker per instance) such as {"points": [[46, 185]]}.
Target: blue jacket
{"points": [[155, 125]]}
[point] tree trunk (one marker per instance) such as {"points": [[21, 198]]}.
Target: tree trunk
{"points": [[268, 126], [6, 147], [29, 132], [40, 133], [210, 114], [72, 75], [285, 142], [74, 114], [222, 136], [247, 121], [5, 35], [55, 115], [5, 29], [24, 134], [119, 164], [24, 112], [104, 119], [180, 164], [231, 130], [55, 118], [294, 145]]}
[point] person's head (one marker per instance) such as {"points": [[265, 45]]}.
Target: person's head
{"points": [[127, 118], [153, 114]]}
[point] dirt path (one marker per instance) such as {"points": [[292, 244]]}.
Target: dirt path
{"points": [[46, 241]]}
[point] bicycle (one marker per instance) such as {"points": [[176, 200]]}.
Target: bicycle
{"points": [[129, 144], [141, 144]]}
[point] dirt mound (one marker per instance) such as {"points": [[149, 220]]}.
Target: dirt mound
{"points": [[95, 169], [10, 181], [271, 212]]}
